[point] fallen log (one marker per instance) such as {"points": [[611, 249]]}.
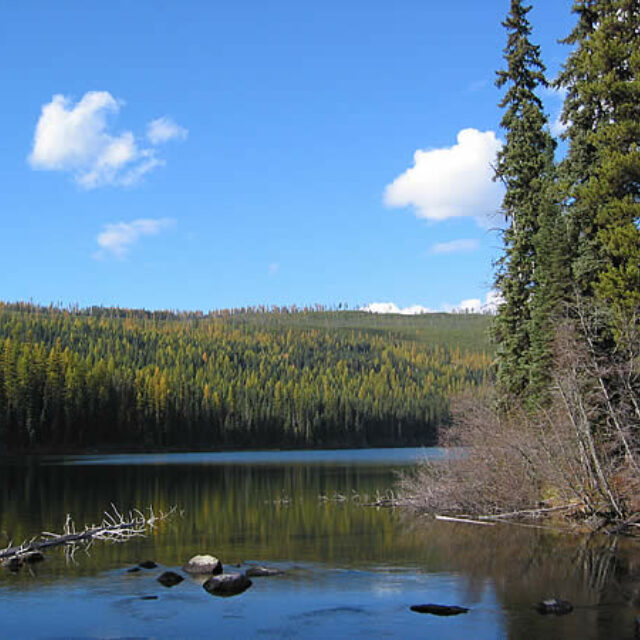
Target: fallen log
{"points": [[464, 520], [385, 502], [527, 513], [115, 527], [629, 522]]}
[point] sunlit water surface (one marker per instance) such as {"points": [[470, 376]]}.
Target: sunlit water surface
{"points": [[351, 571]]}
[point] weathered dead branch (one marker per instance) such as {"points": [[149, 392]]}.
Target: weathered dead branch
{"points": [[633, 521], [463, 520], [529, 513], [114, 527], [386, 502]]}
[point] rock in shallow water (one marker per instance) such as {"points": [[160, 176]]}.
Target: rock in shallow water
{"points": [[439, 609], [170, 579], [227, 584], [554, 606], [148, 564], [203, 564], [262, 572]]}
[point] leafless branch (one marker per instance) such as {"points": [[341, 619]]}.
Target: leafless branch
{"points": [[114, 527]]}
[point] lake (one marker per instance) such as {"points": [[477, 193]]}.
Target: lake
{"points": [[351, 571]]}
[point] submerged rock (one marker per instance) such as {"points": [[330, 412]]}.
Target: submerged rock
{"points": [[203, 564], [227, 584], [148, 564], [262, 572], [439, 609], [134, 570], [170, 579], [554, 606]]}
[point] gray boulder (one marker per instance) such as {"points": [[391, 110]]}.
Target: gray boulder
{"points": [[554, 606], [227, 584], [170, 579], [199, 565], [262, 572]]}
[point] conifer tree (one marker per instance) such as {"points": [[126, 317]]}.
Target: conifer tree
{"points": [[525, 167], [601, 173]]}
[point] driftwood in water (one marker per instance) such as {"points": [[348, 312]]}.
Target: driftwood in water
{"points": [[465, 520], [528, 513], [115, 527], [629, 522], [385, 502]]}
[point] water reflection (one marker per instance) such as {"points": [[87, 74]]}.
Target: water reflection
{"points": [[310, 516]]}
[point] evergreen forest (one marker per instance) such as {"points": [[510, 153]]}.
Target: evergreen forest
{"points": [[115, 379], [561, 427]]}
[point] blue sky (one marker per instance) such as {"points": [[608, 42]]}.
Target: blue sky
{"points": [[215, 154]]}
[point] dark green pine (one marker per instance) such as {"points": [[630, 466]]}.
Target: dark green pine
{"points": [[601, 174], [525, 167]]}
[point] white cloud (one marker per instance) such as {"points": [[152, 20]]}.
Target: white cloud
{"points": [[551, 91], [76, 138], [451, 182], [557, 126], [554, 98], [117, 238], [455, 246], [274, 267], [164, 129], [390, 307], [472, 305], [493, 300]]}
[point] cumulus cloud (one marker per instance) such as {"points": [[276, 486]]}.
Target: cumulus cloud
{"points": [[472, 305], [164, 129], [76, 138], [116, 239], [455, 246], [451, 182], [475, 305], [391, 307]]}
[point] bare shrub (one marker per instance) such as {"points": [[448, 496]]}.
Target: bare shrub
{"points": [[490, 468], [579, 449]]}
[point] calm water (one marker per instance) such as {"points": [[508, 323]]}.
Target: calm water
{"points": [[351, 571]]}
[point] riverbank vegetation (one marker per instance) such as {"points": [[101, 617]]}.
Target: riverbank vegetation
{"points": [[561, 429], [116, 379]]}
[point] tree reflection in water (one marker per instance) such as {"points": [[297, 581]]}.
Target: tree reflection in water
{"points": [[274, 513]]}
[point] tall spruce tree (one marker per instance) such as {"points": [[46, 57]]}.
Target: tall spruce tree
{"points": [[526, 168], [601, 173]]}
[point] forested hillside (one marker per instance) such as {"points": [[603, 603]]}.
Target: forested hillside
{"points": [[72, 379]]}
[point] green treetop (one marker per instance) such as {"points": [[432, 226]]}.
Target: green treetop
{"points": [[525, 167], [601, 174]]}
